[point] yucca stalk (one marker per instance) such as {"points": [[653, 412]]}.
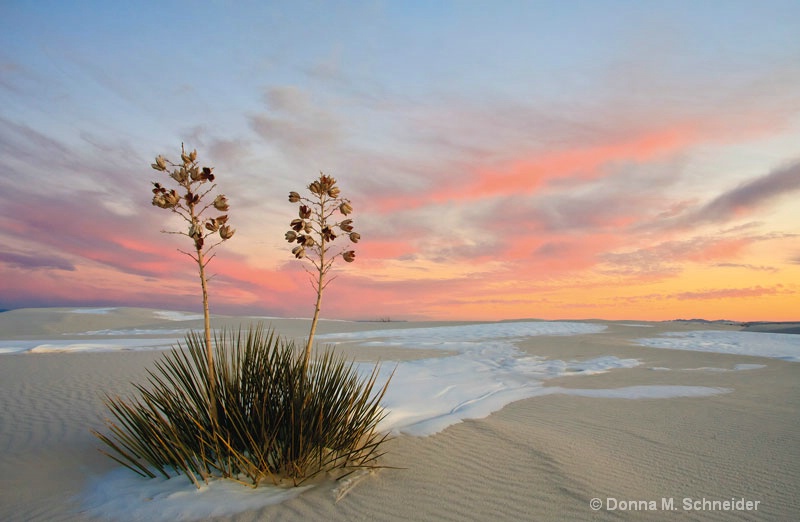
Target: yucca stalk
{"points": [[191, 206], [314, 232]]}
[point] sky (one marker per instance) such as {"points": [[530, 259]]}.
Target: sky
{"points": [[534, 159]]}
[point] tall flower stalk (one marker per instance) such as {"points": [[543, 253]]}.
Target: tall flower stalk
{"points": [[317, 226], [192, 201]]}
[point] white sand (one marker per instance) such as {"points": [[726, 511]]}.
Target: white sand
{"points": [[722, 426]]}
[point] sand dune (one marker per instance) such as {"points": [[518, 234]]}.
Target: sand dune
{"points": [[539, 458]]}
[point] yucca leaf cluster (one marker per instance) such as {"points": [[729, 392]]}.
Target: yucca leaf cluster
{"points": [[275, 418]]}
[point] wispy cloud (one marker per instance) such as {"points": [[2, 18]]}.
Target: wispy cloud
{"points": [[707, 294], [747, 266], [749, 195], [293, 122], [669, 258], [33, 262], [730, 293], [740, 201]]}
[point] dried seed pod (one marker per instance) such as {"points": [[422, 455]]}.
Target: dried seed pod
{"points": [[346, 225], [291, 236], [345, 208], [179, 175], [160, 164], [354, 237], [305, 212], [226, 232], [294, 197], [221, 203], [299, 252], [172, 198], [349, 256], [297, 225], [326, 182], [158, 201]]}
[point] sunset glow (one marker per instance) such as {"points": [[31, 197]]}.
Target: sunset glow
{"points": [[556, 160]]}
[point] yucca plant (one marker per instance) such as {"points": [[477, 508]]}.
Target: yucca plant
{"points": [[247, 406], [276, 418]]}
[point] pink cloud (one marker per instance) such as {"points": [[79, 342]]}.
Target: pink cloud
{"points": [[584, 163], [669, 257]]}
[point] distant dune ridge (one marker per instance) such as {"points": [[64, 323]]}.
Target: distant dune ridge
{"points": [[503, 421], [789, 327]]}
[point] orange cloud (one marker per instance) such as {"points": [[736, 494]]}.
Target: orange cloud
{"points": [[720, 249]]}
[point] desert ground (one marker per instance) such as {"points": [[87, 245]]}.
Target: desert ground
{"points": [[645, 430]]}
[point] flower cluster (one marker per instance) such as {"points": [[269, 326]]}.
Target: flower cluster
{"points": [[311, 230], [191, 178]]}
